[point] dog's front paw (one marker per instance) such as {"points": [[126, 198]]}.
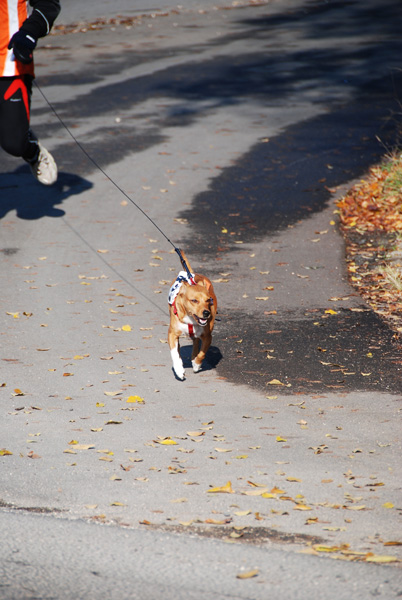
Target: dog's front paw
{"points": [[196, 366], [179, 371]]}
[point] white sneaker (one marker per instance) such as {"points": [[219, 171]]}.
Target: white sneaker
{"points": [[45, 168]]}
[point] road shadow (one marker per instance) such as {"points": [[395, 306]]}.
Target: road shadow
{"points": [[30, 200], [212, 359], [352, 43], [302, 352]]}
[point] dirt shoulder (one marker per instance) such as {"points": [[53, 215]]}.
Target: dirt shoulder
{"points": [[371, 222]]}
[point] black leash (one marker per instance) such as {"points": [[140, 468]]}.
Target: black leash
{"points": [[93, 161]]}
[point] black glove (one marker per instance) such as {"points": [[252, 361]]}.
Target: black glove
{"points": [[23, 44]]}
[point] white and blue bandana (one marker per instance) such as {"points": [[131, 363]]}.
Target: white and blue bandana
{"points": [[180, 279]]}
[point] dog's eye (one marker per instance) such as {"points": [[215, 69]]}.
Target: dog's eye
{"points": [[194, 301]]}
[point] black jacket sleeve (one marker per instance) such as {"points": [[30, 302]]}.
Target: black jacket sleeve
{"points": [[41, 20]]}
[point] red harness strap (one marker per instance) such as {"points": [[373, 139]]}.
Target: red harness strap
{"points": [[189, 325]]}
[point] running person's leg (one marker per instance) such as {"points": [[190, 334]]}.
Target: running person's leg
{"points": [[16, 137]]}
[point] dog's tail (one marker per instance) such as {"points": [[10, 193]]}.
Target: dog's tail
{"points": [[184, 261]]}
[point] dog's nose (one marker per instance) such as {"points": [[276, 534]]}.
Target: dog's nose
{"points": [[206, 314]]}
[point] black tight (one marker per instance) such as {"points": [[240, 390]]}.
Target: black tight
{"points": [[16, 137]]}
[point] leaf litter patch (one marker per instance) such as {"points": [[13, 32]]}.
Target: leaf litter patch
{"points": [[249, 535], [314, 350]]}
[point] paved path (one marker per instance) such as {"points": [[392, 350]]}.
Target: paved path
{"points": [[234, 130]]}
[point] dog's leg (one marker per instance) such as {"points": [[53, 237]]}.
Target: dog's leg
{"points": [[174, 345], [197, 361], [194, 354]]}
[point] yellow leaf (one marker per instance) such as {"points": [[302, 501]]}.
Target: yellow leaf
{"points": [[388, 505], [84, 447], [242, 513], [166, 442], [5, 452], [302, 507], [225, 489], [117, 504], [275, 382], [96, 429], [126, 328], [118, 392], [268, 495], [78, 357], [242, 456], [319, 548], [280, 439], [135, 399], [293, 479], [72, 443], [247, 574], [378, 558], [100, 404], [331, 312], [255, 492]]}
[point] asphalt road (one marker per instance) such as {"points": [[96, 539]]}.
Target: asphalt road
{"points": [[234, 128]]}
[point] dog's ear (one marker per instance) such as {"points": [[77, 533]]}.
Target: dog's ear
{"points": [[183, 288]]}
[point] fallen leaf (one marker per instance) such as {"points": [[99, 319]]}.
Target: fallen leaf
{"points": [[280, 439], [4, 452], [166, 441], [226, 489], [377, 558], [33, 455], [247, 574], [84, 446], [134, 399]]}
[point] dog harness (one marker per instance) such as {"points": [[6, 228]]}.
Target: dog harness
{"points": [[174, 291]]}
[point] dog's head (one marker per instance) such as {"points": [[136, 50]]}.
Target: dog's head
{"points": [[196, 302]]}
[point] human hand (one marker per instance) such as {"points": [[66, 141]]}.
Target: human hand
{"points": [[23, 44]]}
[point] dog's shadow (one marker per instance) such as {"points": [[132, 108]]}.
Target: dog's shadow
{"points": [[210, 362]]}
